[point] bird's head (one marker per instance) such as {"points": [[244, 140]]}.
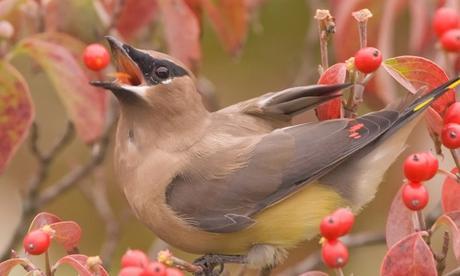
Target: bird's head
{"points": [[150, 80]]}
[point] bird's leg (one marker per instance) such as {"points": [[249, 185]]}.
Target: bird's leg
{"points": [[214, 264]]}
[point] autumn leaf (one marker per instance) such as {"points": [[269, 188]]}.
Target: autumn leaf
{"points": [[42, 219], [85, 104], [16, 112], [451, 220], [229, 18], [409, 256], [450, 194], [67, 233], [182, 31], [8, 265], [77, 262], [399, 222], [332, 109]]}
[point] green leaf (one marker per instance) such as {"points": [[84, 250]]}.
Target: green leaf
{"points": [[16, 112], [85, 104]]}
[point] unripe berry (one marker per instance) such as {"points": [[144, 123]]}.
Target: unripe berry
{"points": [[131, 271], [452, 114], [96, 57], [368, 59], [154, 269], [134, 258], [346, 220], [445, 19], [450, 136], [450, 41], [36, 242], [415, 198], [334, 254]]}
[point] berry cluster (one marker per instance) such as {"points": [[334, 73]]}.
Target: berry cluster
{"points": [[450, 135], [136, 263], [418, 167], [446, 24], [339, 223], [368, 59]]}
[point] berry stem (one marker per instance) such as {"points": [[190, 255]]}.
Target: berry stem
{"points": [[455, 157], [449, 174], [326, 27], [339, 272], [420, 220], [47, 264]]}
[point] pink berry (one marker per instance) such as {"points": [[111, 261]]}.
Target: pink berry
{"points": [[334, 254], [134, 258], [415, 198]]}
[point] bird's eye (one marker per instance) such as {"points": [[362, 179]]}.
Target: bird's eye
{"points": [[162, 72]]}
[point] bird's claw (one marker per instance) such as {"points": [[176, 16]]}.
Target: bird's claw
{"points": [[212, 265]]}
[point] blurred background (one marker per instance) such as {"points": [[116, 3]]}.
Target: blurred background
{"points": [[277, 48]]}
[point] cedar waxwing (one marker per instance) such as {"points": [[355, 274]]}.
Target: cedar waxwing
{"points": [[242, 181]]}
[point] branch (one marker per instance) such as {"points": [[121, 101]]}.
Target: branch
{"points": [[313, 261], [97, 195]]}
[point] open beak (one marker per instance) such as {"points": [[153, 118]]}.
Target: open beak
{"points": [[128, 72]]}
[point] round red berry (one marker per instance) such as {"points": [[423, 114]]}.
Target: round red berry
{"points": [[368, 59], [346, 220], [154, 269], [330, 227], [450, 41], [36, 242], [96, 57], [452, 114], [450, 136], [134, 258], [131, 271], [433, 165], [414, 184], [415, 198], [334, 254], [445, 19], [171, 271], [416, 167]]}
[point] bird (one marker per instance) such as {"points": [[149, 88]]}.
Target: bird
{"points": [[243, 184]]}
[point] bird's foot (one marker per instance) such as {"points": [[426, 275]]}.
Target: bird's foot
{"points": [[213, 265]]}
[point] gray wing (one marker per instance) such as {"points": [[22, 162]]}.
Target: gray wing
{"points": [[278, 165]]}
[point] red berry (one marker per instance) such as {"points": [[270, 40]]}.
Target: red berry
{"points": [[452, 114], [96, 57], [334, 254], [416, 167], [415, 184], [171, 271], [368, 59], [450, 136], [433, 165], [415, 198], [36, 242], [445, 19], [450, 40], [154, 269], [134, 258], [346, 220], [330, 227], [131, 271]]}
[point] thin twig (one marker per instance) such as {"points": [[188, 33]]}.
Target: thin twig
{"points": [[421, 220], [167, 258], [326, 27], [455, 272], [441, 257], [313, 261], [117, 9], [339, 272], [97, 195], [455, 157]]}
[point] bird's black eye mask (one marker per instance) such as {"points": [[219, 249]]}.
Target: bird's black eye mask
{"points": [[155, 71]]}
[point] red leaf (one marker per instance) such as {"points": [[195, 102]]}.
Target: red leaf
{"points": [[399, 222], [333, 108], [42, 219], [410, 256], [8, 265], [16, 112], [450, 198], [230, 19], [452, 220], [77, 261], [415, 73], [68, 234], [314, 273], [182, 31], [85, 104]]}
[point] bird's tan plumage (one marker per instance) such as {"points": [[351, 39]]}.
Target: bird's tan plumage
{"points": [[242, 180]]}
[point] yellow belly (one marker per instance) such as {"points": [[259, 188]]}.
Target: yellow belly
{"points": [[286, 223]]}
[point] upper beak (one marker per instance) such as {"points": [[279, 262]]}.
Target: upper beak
{"points": [[128, 71]]}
